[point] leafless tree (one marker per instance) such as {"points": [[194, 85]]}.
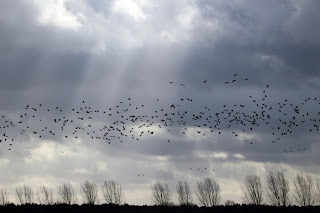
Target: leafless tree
{"points": [[19, 194], [66, 194], [252, 190], [161, 194], [304, 191], [25, 195], [278, 189], [317, 197], [4, 197], [46, 195], [89, 192], [112, 192], [184, 193], [208, 192]]}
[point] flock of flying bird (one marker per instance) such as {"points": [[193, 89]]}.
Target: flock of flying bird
{"points": [[129, 121]]}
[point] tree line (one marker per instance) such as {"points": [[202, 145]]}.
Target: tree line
{"points": [[111, 192], [275, 191]]}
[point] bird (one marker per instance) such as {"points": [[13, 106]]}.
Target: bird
{"points": [[247, 116]]}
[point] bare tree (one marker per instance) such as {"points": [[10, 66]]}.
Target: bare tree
{"points": [[304, 191], [19, 194], [46, 195], [208, 192], [252, 190], [184, 193], [89, 192], [317, 197], [278, 189], [4, 197], [161, 194], [66, 194], [112, 192], [25, 195]]}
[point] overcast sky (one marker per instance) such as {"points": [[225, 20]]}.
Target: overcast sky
{"points": [[59, 53]]}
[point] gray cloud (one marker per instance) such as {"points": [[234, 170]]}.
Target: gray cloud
{"points": [[61, 53]]}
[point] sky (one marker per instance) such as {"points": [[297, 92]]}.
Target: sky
{"points": [[246, 63]]}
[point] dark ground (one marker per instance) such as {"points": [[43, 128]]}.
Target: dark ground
{"points": [[154, 209]]}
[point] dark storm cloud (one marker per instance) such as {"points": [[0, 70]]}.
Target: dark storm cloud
{"points": [[32, 58], [60, 69], [249, 29], [17, 76]]}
